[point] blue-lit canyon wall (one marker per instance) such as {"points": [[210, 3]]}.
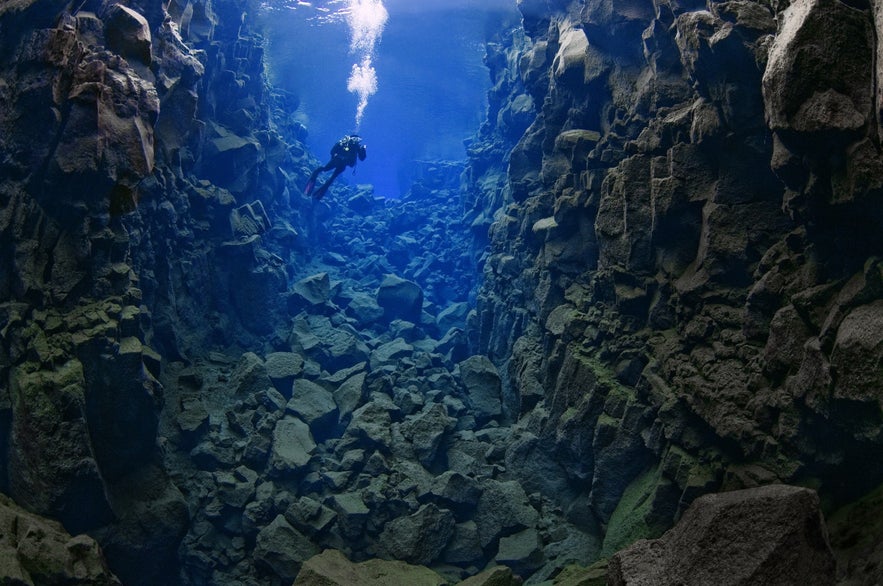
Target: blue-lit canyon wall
{"points": [[684, 275]]}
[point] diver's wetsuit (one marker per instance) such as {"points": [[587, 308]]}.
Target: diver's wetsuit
{"points": [[343, 155]]}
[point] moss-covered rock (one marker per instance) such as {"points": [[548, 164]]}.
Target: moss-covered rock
{"points": [[332, 568], [35, 551]]}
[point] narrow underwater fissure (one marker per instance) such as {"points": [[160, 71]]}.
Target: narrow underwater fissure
{"points": [[381, 432], [649, 292]]}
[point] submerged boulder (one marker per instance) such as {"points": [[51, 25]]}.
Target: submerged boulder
{"points": [[128, 33], [483, 386], [315, 406], [282, 548], [502, 510], [293, 445], [331, 568], [523, 551], [453, 316], [35, 550], [364, 309], [282, 368], [250, 375], [427, 430], [391, 353], [419, 538], [313, 290], [768, 535], [400, 298]]}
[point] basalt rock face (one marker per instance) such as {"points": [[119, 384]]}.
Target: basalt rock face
{"points": [[94, 251], [683, 290], [485, 187], [80, 397]]}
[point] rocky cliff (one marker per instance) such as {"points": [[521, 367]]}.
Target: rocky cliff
{"points": [[129, 132], [676, 210], [684, 282]]}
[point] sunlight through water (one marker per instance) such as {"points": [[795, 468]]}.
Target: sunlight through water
{"points": [[425, 80]]}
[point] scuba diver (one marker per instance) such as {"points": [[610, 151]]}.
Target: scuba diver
{"points": [[343, 155]]}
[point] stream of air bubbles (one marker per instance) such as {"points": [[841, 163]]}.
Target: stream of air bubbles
{"points": [[366, 19]]}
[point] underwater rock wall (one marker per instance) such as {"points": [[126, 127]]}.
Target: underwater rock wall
{"points": [[80, 394], [683, 292], [111, 224]]}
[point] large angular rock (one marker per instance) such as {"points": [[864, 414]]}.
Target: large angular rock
{"points": [[390, 353], [315, 406], [343, 349], [427, 430], [483, 387], [400, 298], [44, 484], [769, 535], [250, 375], [464, 548], [455, 491], [576, 59], [419, 538], [331, 568], [282, 548], [313, 290], [531, 462], [192, 419], [128, 33], [34, 550], [523, 552], [334, 347], [249, 220], [282, 368], [858, 353], [293, 446], [237, 488], [364, 309], [230, 158], [351, 513], [814, 36], [152, 515], [122, 405], [371, 424], [453, 316], [348, 395], [309, 516], [503, 509], [454, 346]]}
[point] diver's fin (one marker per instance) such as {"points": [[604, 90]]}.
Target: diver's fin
{"points": [[309, 188]]}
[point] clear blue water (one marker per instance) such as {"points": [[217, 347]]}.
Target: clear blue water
{"points": [[431, 82]]}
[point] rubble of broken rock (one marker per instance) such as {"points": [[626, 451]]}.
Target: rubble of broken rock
{"points": [[379, 447], [368, 427]]}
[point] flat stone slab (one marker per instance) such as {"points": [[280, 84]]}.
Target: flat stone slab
{"points": [[332, 568], [293, 445]]}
